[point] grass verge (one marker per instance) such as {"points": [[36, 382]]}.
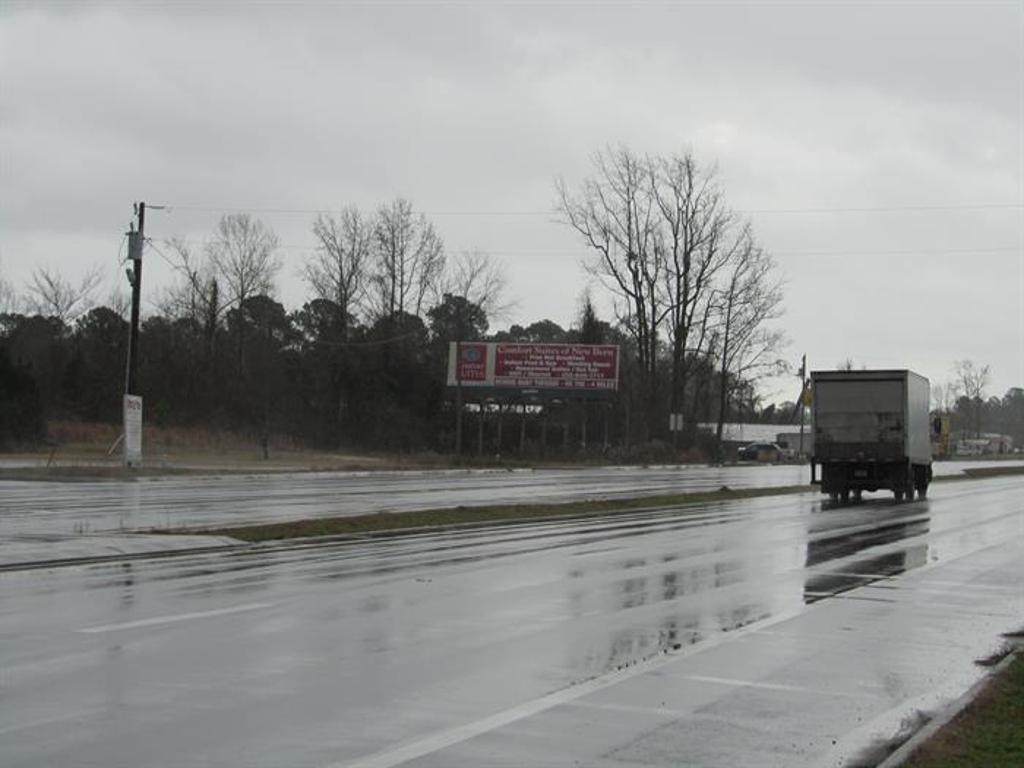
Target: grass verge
{"points": [[429, 518], [988, 733], [982, 472]]}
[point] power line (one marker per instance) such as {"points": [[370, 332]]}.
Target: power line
{"points": [[583, 251], [892, 208], [120, 250], [170, 208], [162, 255], [902, 252], [309, 211]]}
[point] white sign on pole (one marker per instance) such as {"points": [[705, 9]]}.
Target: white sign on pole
{"points": [[675, 422], [132, 430]]}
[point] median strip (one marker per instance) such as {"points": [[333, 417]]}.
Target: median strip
{"points": [[462, 515], [379, 522]]}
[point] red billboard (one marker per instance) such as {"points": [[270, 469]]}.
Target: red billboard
{"points": [[509, 365]]}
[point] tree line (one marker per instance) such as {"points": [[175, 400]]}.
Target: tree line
{"points": [[972, 411], [362, 362]]}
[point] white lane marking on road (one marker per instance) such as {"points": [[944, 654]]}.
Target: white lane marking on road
{"points": [[749, 684], [50, 720], [443, 739], [157, 620], [655, 711]]}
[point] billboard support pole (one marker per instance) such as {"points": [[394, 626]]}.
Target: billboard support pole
{"points": [[458, 398], [544, 429], [522, 428], [480, 429], [627, 435], [501, 414]]}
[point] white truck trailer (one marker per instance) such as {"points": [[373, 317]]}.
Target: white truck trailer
{"points": [[871, 431]]}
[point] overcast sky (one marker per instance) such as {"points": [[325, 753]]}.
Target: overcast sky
{"points": [[878, 148]]}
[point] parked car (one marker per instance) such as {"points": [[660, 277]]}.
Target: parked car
{"points": [[760, 452]]}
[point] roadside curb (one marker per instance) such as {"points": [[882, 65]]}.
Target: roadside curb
{"points": [[946, 714]]}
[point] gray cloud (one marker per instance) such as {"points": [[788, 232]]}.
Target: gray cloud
{"points": [[476, 109]]}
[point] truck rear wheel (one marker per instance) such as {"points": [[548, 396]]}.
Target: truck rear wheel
{"points": [[921, 477]]}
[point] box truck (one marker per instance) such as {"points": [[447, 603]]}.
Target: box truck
{"points": [[871, 431]]}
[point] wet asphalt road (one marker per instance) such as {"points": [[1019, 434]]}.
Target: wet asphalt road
{"points": [[760, 632], [39, 508]]}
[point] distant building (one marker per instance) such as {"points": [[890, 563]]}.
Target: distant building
{"points": [[789, 442], [743, 434], [986, 444]]}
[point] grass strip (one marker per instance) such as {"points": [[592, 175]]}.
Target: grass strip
{"points": [[463, 515], [982, 472], [430, 518], [988, 733]]}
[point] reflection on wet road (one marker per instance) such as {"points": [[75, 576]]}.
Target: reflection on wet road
{"points": [[324, 654]]}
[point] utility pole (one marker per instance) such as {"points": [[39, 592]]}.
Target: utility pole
{"points": [[136, 239], [132, 402], [803, 406]]}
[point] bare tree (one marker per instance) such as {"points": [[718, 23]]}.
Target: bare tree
{"points": [[694, 223], [410, 260], [944, 396], [480, 280], [50, 294], [184, 298], [972, 381], [750, 296], [120, 303], [195, 295], [8, 298], [338, 269], [242, 254], [615, 213]]}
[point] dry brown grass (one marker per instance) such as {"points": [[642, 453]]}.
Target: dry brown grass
{"points": [[77, 449], [97, 436]]}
